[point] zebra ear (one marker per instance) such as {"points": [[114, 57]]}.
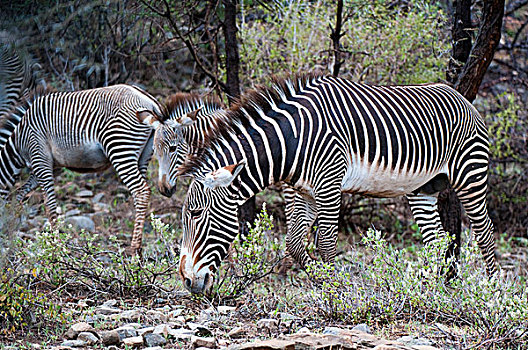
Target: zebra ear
{"points": [[190, 117], [224, 176], [148, 118]]}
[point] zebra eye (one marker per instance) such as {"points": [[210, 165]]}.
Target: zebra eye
{"points": [[196, 212], [172, 148]]}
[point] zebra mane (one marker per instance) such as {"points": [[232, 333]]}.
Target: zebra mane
{"points": [[248, 107], [10, 121], [181, 103]]}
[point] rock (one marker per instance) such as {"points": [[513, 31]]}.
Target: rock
{"points": [[272, 344], [133, 341], [226, 309], [97, 198], [153, 348], [269, 323], [236, 332], [209, 342], [181, 333], [72, 212], [409, 340], [145, 330], [111, 303], [202, 330], [131, 315], [332, 330], [162, 329], [126, 332], [74, 343], [107, 310], [155, 315], [152, 339], [81, 223], [84, 193], [77, 328], [110, 338], [303, 330], [101, 207], [88, 337], [362, 327]]}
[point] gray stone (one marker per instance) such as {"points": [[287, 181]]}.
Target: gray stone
{"points": [[154, 339], [110, 338], [81, 223], [209, 342], [97, 198], [111, 302], [181, 333], [162, 329], [145, 330], [126, 332], [199, 328], [272, 344], [155, 315], [133, 341], [131, 315], [409, 340], [333, 330], [84, 193], [362, 327], [72, 212], [303, 330], [77, 328], [153, 348], [88, 337], [74, 343], [107, 310], [269, 323], [236, 332], [226, 309]]}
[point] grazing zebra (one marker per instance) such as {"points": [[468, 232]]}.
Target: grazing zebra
{"points": [[85, 131], [191, 121], [326, 135]]}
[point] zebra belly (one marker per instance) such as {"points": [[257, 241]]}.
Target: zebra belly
{"points": [[377, 181], [82, 158]]}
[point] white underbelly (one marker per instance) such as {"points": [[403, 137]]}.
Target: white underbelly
{"points": [[380, 182]]}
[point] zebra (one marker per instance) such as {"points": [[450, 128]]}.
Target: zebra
{"points": [[85, 131], [17, 80], [322, 136], [191, 120]]}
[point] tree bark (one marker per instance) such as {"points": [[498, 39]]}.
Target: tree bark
{"points": [[246, 212], [467, 80], [335, 36]]}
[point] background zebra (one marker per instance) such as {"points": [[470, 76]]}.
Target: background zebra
{"points": [[323, 136], [85, 131]]}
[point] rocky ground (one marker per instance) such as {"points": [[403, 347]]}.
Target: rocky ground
{"points": [[111, 327]]}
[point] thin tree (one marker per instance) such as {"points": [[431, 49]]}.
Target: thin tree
{"points": [[466, 72]]}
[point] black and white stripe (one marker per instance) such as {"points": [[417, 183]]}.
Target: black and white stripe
{"points": [[85, 131], [323, 136]]}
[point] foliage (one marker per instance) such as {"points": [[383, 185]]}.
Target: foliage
{"points": [[507, 126], [390, 286], [383, 43], [252, 257]]}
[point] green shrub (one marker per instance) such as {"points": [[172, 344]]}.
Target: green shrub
{"points": [[383, 43], [391, 285], [251, 258]]}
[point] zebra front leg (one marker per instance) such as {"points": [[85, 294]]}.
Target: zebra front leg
{"points": [[424, 208], [43, 172], [300, 216], [138, 187], [328, 203]]}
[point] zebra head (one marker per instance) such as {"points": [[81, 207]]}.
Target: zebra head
{"points": [[171, 150], [210, 225]]}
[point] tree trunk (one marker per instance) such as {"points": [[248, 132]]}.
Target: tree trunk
{"points": [[466, 80], [335, 36], [246, 213]]}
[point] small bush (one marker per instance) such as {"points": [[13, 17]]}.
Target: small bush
{"points": [[391, 286], [251, 258]]}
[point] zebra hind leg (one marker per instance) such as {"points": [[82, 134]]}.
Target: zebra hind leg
{"points": [[43, 172], [29, 186], [473, 198], [132, 178], [424, 208]]}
